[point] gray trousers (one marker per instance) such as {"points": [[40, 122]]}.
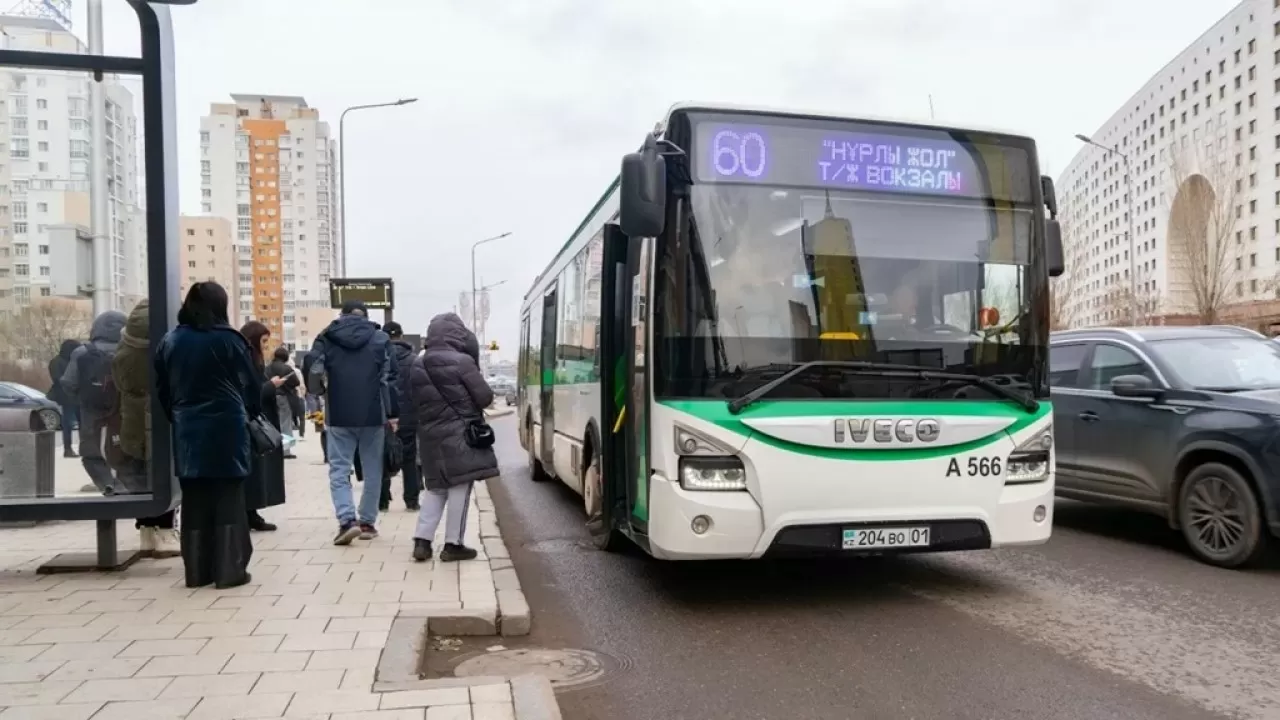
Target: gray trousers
{"points": [[457, 498], [285, 411]]}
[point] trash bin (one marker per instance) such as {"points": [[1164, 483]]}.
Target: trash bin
{"points": [[28, 451]]}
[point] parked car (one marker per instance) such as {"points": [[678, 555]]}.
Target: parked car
{"points": [[14, 394], [1183, 422]]}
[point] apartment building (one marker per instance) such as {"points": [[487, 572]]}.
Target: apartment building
{"points": [[207, 251], [1211, 114], [268, 166], [44, 171]]}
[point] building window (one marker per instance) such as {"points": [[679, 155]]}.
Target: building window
{"points": [[42, 104]]}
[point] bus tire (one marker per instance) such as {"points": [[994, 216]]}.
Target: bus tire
{"points": [[536, 471], [598, 503]]}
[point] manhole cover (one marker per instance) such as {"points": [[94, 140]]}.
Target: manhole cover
{"points": [[564, 668]]}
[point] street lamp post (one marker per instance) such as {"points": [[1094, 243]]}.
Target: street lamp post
{"points": [[342, 167], [1133, 267], [484, 348], [475, 317]]}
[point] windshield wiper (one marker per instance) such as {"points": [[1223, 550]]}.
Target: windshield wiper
{"points": [[1028, 403]]}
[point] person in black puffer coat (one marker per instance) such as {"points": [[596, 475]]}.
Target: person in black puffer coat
{"points": [[448, 392]]}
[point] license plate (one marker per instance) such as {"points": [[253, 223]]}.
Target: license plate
{"points": [[886, 537]]}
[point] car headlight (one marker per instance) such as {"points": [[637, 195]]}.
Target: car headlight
{"points": [[51, 419], [1029, 462], [712, 473]]}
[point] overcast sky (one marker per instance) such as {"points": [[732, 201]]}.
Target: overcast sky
{"points": [[528, 105]]}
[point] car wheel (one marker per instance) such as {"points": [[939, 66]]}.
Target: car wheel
{"points": [[1220, 517], [599, 507]]}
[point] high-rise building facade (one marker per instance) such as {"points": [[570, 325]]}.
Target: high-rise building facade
{"points": [[268, 167], [1210, 118], [45, 171], [207, 251]]}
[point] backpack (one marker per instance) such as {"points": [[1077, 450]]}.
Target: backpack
{"points": [[97, 391]]}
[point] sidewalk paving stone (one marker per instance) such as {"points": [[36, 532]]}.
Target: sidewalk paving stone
{"points": [[303, 640]]}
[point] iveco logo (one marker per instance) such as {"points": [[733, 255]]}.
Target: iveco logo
{"points": [[885, 430]]}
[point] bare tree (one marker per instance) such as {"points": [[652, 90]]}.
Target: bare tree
{"points": [[1120, 299], [1065, 309], [35, 333], [1205, 202]]}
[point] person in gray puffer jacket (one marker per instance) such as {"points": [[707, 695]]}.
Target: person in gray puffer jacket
{"points": [[448, 392]]}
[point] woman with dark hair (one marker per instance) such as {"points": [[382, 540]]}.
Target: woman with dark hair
{"points": [[265, 487], [205, 384]]}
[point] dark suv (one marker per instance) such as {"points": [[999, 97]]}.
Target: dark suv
{"points": [[1179, 421]]}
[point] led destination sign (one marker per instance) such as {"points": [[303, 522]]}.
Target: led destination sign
{"points": [[856, 156], [375, 293]]}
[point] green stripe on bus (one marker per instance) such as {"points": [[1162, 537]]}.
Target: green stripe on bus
{"points": [[717, 413]]}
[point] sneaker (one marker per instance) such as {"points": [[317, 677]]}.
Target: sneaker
{"points": [[90, 488], [367, 531], [346, 534], [421, 550], [454, 553], [69, 453], [384, 507], [147, 541], [412, 507], [167, 544]]}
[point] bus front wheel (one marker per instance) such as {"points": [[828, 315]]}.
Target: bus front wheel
{"points": [[599, 507], [536, 471]]}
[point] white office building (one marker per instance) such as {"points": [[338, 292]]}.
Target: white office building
{"points": [[44, 175], [268, 166], [1213, 114]]}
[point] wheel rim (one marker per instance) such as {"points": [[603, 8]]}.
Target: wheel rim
{"points": [[1216, 516], [591, 491]]}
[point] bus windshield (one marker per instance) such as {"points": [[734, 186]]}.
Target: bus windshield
{"points": [[759, 278]]}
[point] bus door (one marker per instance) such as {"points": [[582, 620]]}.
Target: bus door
{"points": [[637, 293], [623, 396], [546, 394]]}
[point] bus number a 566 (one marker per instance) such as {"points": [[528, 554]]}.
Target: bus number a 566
{"points": [[975, 466]]}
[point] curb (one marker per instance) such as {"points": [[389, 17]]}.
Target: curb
{"points": [[398, 663]]}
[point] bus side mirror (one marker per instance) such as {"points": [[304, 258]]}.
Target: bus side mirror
{"points": [[1050, 195], [643, 191], [1053, 255]]}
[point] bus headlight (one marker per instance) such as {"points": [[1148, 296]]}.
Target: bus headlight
{"points": [[1029, 462], [712, 473]]}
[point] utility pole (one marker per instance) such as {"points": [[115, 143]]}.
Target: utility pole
{"points": [[99, 215]]}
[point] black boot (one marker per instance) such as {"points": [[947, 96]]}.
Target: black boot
{"points": [[453, 552], [197, 557], [258, 523], [421, 550], [231, 557]]}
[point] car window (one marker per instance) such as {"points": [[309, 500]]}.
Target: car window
{"points": [[8, 393], [1112, 361], [1064, 364]]}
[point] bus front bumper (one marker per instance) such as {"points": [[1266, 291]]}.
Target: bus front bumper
{"points": [[736, 528]]}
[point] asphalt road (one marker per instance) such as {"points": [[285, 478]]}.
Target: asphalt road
{"points": [[1111, 619]]}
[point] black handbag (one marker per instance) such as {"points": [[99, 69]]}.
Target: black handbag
{"points": [[393, 455], [477, 433], [264, 436]]}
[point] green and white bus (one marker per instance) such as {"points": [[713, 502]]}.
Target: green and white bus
{"points": [[785, 333]]}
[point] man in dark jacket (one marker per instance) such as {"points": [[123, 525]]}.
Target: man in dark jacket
{"points": [[87, 383], [70, 412], [449, 394], [350, 363], [403, 354]]}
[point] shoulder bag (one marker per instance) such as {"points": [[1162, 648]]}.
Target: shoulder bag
{"points": [[264, 436], [477, 432]]}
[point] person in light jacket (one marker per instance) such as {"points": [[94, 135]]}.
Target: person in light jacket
{"points": [[449, 391]]}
